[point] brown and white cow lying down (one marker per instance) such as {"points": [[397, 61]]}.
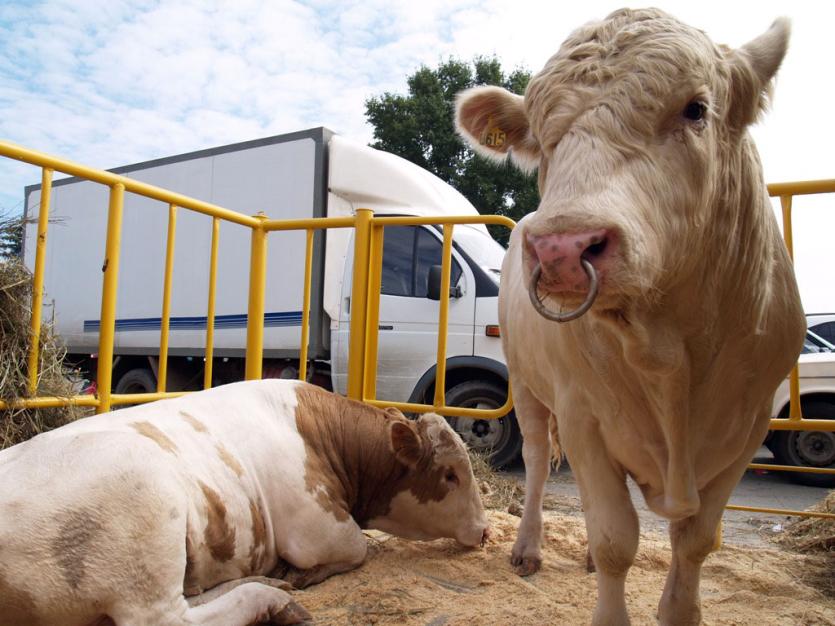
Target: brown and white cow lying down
{"points": [[649, 180], [132, 516]]}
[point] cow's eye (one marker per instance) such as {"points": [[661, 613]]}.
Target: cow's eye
{"points": [[451, 477], [695, 111]]}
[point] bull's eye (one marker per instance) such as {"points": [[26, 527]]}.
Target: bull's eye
{"points": [[695, 111], [451, 477]]}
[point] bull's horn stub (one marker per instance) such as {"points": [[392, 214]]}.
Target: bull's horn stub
{"points": [[545, 312]]}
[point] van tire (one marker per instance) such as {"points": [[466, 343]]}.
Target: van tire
{"points": [[500, 438], [810, 448], [138, 380]]}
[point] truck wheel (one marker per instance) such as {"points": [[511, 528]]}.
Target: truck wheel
{"points": [[811, 448], [498, 438], [139, 380]]}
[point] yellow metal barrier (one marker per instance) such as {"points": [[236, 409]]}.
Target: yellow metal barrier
{"points": [[365, 296]]}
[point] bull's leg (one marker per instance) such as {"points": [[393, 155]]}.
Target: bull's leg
{"points": [[611, 520], [692, 540], [526, 556]]}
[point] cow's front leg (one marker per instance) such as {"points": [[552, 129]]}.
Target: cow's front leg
{"points": [[692, 540], [532, 415], [248, 603], [322, 551], [611, 520]]}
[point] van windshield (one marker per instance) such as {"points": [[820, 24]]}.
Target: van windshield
{"points": [[481, 248]]}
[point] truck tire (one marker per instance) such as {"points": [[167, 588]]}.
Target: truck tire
{"points": [[138, 380], [499, 438], [810, 448]]}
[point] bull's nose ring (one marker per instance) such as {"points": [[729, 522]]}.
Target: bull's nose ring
{"points": [[540, 307]]}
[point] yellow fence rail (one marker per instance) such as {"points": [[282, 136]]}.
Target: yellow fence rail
{"points": [[368, 247]]}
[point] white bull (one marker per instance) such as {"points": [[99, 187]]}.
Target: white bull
{"points": [[651, 187], [173, 512]]}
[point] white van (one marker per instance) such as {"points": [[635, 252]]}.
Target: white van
{"points": [[311, 173]]}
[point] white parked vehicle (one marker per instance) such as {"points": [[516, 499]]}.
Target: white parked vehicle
{"points": [[312, 173], [817, 400], [823, 325]]}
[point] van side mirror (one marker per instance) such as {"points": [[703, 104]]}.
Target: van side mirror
{"points": [[433, 285]]}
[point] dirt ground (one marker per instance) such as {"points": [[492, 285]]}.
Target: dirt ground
{"points": [[441, 584]]}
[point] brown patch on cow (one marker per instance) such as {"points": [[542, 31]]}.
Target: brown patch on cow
{"points": [[72, 547], [195, 423], [146, 429], [16, 605], [218, 534], [259, 538], [430, 485], [191, 587], [229, 459], [350, 466]]}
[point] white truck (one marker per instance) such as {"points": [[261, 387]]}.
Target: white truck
{"points": [[311, 173]]}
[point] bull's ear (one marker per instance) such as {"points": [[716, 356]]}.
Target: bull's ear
{"points": [[493, 121], [753, 67], [405, 443]]}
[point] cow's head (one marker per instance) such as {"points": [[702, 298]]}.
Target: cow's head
{"points": [[437, 495], [638, 128]]}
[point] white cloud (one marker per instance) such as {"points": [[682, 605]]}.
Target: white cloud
{"points": [[110, 82]]}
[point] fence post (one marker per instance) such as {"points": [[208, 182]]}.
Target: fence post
{"points": [[165, 323], [372, 315], [110, 284], [359, 304], [255, 312], [443, 318], [37, 281]]}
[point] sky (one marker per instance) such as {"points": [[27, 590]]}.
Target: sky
{"points": [[113, 82]]}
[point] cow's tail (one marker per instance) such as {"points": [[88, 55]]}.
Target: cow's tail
{"points": [[556, 448]]}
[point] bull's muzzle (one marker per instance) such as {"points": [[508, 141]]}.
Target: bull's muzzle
{"points": [[536, 301]]}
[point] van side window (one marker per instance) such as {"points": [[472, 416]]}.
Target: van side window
{"points": [[408, 253]]}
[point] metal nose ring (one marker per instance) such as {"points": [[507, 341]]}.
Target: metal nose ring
{"points": [[545, 312]]}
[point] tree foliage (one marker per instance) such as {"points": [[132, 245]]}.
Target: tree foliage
{"points": [[419, 127]]}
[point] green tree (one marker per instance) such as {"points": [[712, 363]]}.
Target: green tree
{"points": [[419, 127]]}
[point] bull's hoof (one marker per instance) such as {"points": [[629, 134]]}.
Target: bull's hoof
{"points": [[525, 566], [293, 613]]}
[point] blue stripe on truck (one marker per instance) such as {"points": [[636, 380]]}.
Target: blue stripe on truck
{"points": [[276, 318]]}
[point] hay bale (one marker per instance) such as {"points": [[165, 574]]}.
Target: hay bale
{"points": [[815, 537], [498, 491], [17, 425]]}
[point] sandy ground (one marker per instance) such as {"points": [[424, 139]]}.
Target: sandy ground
{"points": [[441, 584]]}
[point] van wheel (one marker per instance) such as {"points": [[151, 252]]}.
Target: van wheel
{"points": [[500, 439], [139, 380], [811, 448]]}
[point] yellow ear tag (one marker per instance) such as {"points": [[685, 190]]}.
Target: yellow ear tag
{"points": [[494, 137]]}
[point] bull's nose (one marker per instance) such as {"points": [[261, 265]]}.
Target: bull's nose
{"points": [[559, 255]]}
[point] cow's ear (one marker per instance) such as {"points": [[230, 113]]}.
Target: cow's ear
{"points": [[405, 443], [753, 67], [493, 121], [394, 412]]}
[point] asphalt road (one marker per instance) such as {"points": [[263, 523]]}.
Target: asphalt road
{"points": [[757, 488]]}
